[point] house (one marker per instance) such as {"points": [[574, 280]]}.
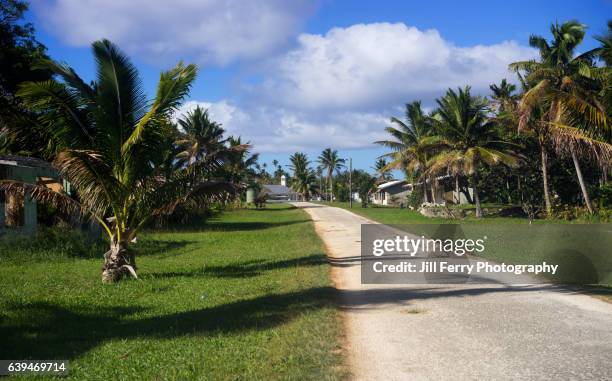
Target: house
{"points": [[392, 193], [280, 192], [396, 192], [15, 209]]}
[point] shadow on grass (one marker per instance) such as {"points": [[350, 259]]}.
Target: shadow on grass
{"points": [[159, 247], [45, 330], [244, 269], [231, 226]]}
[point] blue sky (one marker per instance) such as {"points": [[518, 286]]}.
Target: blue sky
{"points": [[306, 75]]}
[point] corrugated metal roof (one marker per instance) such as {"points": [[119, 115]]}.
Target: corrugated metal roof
{"points": [[23, 161], [277, 189]]}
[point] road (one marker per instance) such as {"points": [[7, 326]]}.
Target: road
{"points": [[461, 332]]}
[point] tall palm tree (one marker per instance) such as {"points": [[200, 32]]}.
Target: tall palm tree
{"points": [[410, 138], [466, 139], [108, 143], [330, 162], [239, 163], [568, 88], [605, 50], [382, 169], [201, 137], [504, 96], [304, 178]]}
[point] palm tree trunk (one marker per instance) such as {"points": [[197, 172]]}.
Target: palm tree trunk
{"points": [[585, 193], [545, 179], [433, 193], [424, 191], [119, 262], [476, 196], [331, 188], [457, 195]]}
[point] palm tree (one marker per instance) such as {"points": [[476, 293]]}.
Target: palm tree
{"points": [[605, 50], [330, 162], [239, 163], [201, 137], [504, 96], [410, 138], [381, 167], [567, 86], [466, 139], [304, 179], [108, 143]]}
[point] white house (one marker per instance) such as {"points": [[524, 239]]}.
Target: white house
{"points": [[396, 192]]}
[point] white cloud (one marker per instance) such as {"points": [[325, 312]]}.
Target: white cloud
{"points": [[205, 31], [368, 65], [285, 130]]}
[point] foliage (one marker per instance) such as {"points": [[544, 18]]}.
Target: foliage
{"points": [[247, 307], [109, 142], [19, 54]]}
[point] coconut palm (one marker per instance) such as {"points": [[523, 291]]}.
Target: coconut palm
{"points": [[504, 96], [605, 50], [331, 163], [409, 142], [200, 137], [304, 178], [382, 169], [466, 139], [567, 86], [109, 145]]}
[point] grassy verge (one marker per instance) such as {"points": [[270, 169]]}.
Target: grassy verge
{"points": [[392, 215], [581, 250], [245, 296]]}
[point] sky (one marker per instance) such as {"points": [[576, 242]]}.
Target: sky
{"points": [[304, 75]]}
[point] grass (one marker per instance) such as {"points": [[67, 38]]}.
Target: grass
{"points": [[246, 295], [582, 251], [392, 215]]}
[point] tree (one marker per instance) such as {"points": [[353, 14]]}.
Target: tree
{"points": [[331, 163], [108, 140], [605, 50], [466, 139], [304, 179], [19, 54], [382, 169], [201, 137], [565, 84], [409, 142]]}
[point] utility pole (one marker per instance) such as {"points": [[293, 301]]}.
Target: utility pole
{"points": [[350, 182]]}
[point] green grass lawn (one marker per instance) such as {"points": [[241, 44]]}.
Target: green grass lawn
{"points": [[393, 215], [247, 295], [582, 250]]}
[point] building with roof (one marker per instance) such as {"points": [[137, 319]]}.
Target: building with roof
{"points": [[19, 210], [279, 192], [396, 192]]}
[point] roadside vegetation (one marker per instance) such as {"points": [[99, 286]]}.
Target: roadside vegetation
{"points": [[246, 295]]}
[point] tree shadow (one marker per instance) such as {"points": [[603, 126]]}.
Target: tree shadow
{"points": [[234, 226], [46, 330], [164, 248], [244, 269]]}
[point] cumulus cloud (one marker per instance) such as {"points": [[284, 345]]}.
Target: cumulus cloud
{"points": [[290, 130], [368, 65], [204, 31]]}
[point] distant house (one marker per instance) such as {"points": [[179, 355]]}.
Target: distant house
{"points": [[280, 192], [396, 192], [392, 193], [15, 209]]}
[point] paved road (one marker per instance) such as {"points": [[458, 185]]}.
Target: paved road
{"points": [[461, 332]]}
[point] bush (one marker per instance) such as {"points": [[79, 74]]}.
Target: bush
{"points": [[415, 199]]}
